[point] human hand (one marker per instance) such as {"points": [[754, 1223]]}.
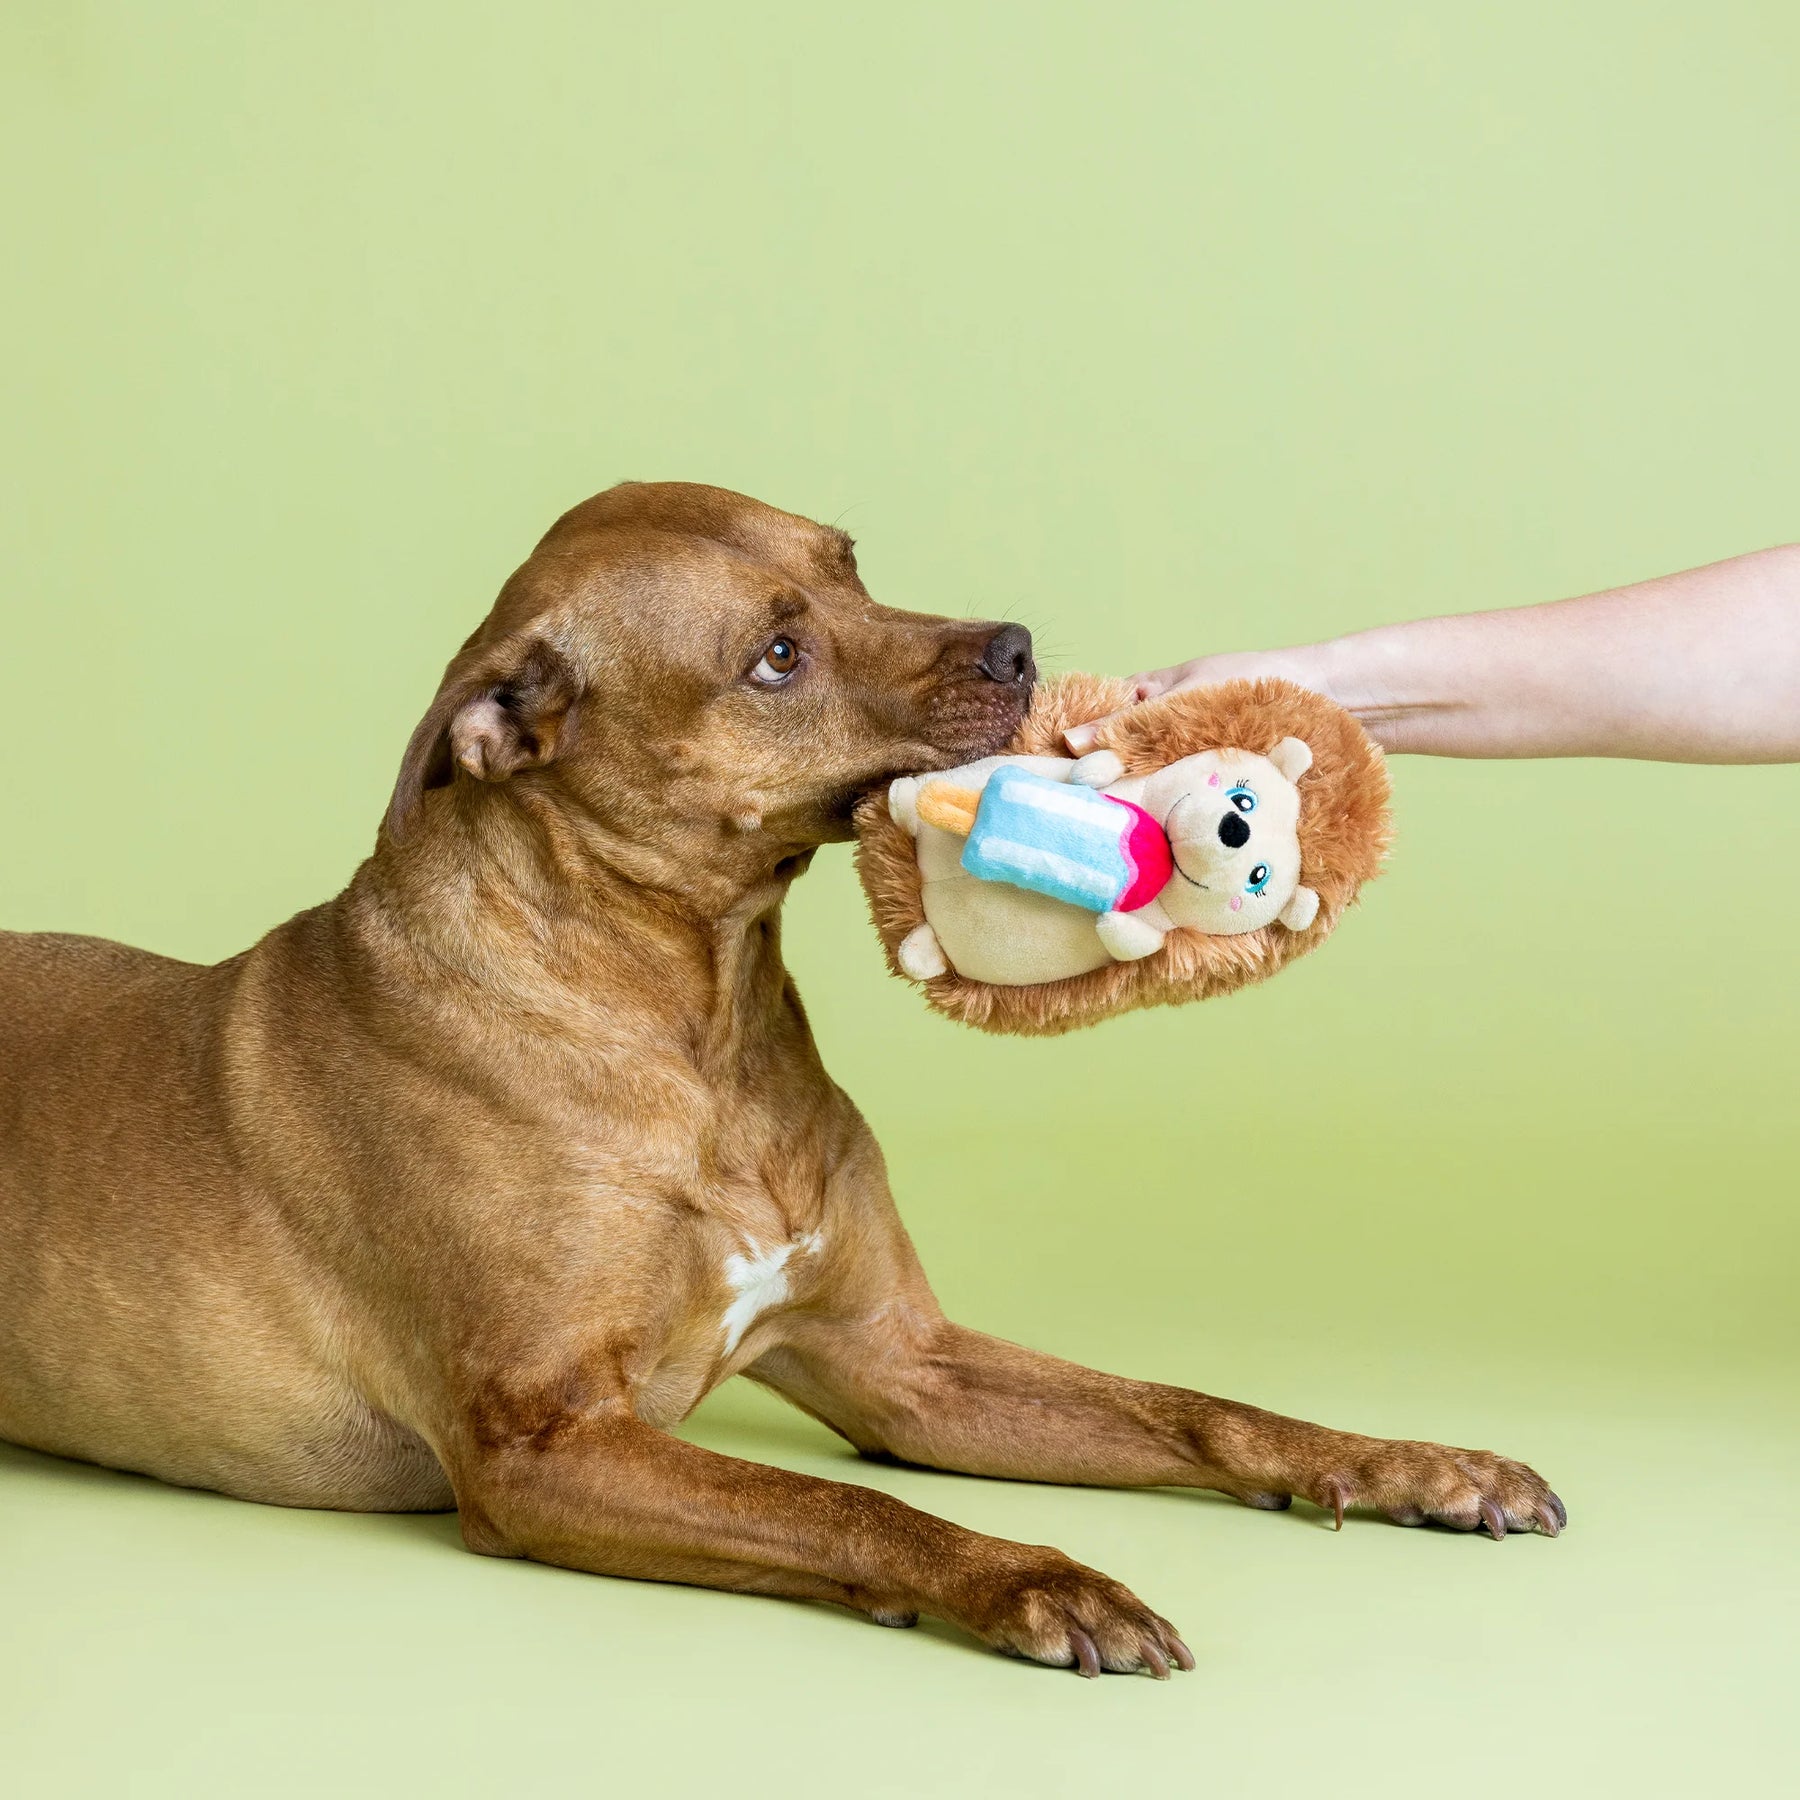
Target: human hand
{"points": [[1305, 666]]}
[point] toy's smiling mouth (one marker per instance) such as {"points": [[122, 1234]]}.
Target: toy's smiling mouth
{"points": [[1185, 876], [1175, 849]]}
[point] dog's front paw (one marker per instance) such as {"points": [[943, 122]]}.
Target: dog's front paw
{"points": [[1413, 1483], [1044, 1607]]}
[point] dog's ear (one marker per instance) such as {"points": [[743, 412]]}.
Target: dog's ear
{"points": [[512, 708]]}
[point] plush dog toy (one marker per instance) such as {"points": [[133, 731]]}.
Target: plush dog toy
{"points": [[1213, 835], [1210, 843]]}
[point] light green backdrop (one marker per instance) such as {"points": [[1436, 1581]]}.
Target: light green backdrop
{"points": [[1159, 327]]}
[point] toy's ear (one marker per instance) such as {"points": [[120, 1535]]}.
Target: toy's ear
{"points": [[513, 709], [1292, 756], [1303, 908]]}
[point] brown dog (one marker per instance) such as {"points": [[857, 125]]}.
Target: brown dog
{"points": [[462, 1188]]}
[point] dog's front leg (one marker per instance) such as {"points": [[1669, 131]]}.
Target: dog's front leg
{"points": [[607, 1493], [905, 1382]]}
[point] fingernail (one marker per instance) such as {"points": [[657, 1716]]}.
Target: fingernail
{"points": [[1080, 738]]}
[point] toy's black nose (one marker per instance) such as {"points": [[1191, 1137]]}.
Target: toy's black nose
{"points": [[1007, 657], [1234, 834]]}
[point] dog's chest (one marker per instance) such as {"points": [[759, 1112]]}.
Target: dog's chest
{"points": [[720, 1229], [765, 1242], [730, 1294], [715, 1201], [760, 1278]]}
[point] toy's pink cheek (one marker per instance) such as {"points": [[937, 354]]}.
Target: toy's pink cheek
{"points": [[1212, 781], [1237, 902]]}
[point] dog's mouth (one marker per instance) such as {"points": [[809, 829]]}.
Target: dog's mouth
{"points": [[964, 726], [972, 724]]}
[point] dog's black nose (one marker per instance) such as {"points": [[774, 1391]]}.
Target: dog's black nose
{"points": [[1234, 834], [1007, 657]]}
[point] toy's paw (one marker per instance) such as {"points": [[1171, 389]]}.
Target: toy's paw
{"points": [[1098, 769], [1127, 938], [1049, 1609], [921, 955], [1414, 1483], [1300, 911], [903, 802]]}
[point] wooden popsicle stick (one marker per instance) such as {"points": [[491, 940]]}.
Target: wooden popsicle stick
{"points": [[949, 808]]}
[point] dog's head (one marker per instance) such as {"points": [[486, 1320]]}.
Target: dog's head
{"points": [[678, 662]]}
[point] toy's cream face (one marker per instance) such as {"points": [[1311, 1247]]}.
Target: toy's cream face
{"points": [[1233, 824]]}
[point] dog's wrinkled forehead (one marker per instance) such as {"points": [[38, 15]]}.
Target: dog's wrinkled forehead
{"points": [[677, 562], [749, 531]]}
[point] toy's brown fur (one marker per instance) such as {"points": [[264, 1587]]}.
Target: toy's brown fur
{"points": [[1345, 830]]}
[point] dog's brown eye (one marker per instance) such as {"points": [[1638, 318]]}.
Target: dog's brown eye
{"points": [[779, 661]]}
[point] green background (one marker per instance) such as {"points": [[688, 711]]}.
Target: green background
{"points": [[1163, 328]]}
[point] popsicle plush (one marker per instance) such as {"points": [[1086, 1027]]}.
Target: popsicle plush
{"points": [[1215, 834]]}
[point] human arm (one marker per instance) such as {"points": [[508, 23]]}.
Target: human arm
{"points": [[1702, 666]]}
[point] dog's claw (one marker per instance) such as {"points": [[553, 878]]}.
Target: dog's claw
{"points": [[1416, 1484], [1054, 1611], [1184, 1657], [1337, 1496]]}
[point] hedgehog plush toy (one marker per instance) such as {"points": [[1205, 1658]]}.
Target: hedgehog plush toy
{"points": [[1212, 836]]}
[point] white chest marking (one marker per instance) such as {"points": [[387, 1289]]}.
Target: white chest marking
{"points": [[759, 1281]]}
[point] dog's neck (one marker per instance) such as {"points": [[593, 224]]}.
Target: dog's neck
{"points": [[563, 924]]}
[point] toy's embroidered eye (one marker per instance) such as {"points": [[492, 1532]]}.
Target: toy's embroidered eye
{"points": [[1259, 879], [1242, 798], [779, 661]]}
